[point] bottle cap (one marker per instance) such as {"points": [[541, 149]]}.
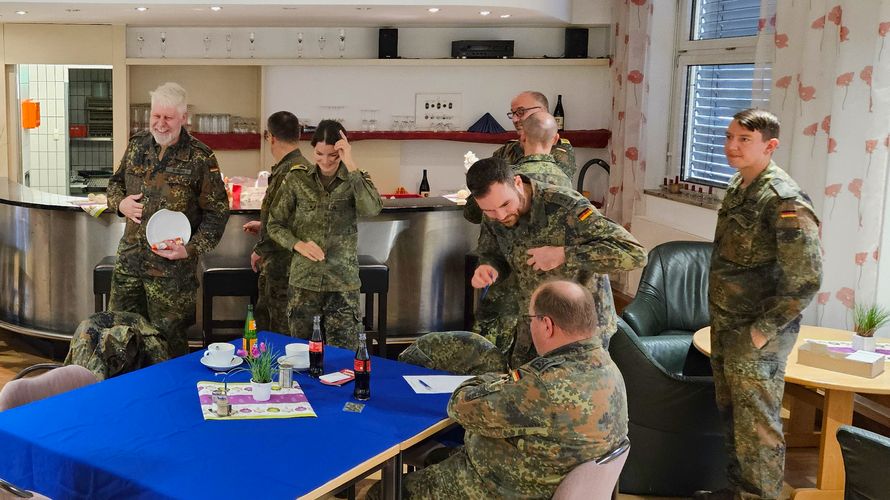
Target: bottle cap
{"points": [[362, 336]]}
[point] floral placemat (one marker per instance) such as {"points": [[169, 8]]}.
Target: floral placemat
{"points": [[284, 403], [847, 346]]}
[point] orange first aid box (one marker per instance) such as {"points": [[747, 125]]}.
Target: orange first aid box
{"points": [[30, 114]]}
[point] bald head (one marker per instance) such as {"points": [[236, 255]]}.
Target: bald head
{"points": [[539, 133], [568, 305]]}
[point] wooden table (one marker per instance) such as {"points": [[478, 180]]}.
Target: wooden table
{"points": [[837, 410]]}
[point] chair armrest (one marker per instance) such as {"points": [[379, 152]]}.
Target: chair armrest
{"points": [[645, 314]]}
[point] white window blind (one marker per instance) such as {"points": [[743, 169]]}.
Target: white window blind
{"points": [[725, 19]]}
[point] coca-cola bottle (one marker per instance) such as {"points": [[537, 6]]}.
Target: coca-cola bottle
{"points": [[316, 349], [362, 368]]}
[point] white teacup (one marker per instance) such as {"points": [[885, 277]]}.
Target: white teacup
{"points": [[220, 353], [297, 353]]}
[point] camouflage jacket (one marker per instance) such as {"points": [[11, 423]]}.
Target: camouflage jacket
{"points": [[563, 152], [186, 180], [523, 436], [305, 211], [594, 247], [767, 235], [542, 168], [266, 247]]}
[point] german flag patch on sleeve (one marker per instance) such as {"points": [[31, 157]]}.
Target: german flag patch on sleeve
{"points": [[585, 213], [788, 214]]}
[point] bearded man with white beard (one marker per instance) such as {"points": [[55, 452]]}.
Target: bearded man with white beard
{"points": [[165, 168]]}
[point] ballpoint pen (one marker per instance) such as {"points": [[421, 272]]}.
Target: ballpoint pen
{"points": [[484, 291], [424, 384]]}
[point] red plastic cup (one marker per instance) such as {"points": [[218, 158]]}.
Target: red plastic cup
{"points": [[236, 196]]}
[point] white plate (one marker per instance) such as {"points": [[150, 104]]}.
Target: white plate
{"points": [[293, 360], [236, 360], [168, 225]]}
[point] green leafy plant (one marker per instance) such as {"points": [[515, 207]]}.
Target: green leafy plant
{"points": [[261, 362], [867, 319]]}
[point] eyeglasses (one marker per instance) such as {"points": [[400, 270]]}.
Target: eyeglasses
{"points": [[266, 135], [528, 317], [520, 112]]}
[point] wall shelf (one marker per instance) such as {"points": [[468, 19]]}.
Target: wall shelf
{"points": [[579, 138], [366, 62], [229, 142], [90, 139]]}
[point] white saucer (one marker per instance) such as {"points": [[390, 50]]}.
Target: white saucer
{"points": [[236, 360], [168, 225], [293, 361]]}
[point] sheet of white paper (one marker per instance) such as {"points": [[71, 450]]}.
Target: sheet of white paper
{"points": [[435, 384], [865, 356]]}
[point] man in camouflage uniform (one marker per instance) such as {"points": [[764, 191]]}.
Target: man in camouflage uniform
{"points": [[765, 269], [111, 343], [316, 215], [496, 315], [271, 260], [525, 431], [522, 106], [165, 167], [536, 232]]}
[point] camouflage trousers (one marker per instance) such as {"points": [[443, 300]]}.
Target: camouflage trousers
{"points": [[749, 385], [464, 353], [340, 312], [167, 303], [497, 314], [270, 311], [452, 478], [111, 343]]}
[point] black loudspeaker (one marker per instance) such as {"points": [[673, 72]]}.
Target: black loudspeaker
{"points": [[576, 42], [388, 43]]}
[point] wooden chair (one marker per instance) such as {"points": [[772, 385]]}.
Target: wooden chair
{"points": [[596, 479], [23, 390]]}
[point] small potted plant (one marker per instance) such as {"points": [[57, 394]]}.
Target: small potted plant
{"points": [[261, 364], [866, 320]]}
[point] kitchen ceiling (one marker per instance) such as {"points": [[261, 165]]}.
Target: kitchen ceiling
{"points": [[295, 13]]}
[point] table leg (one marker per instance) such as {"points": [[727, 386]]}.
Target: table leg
{"points": [[837, 411], [392, 478]]}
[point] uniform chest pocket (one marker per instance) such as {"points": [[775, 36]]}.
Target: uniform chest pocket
{"points": [[737, 237], [135, 178], [179, 192]]}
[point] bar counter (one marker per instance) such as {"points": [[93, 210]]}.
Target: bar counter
{"points": [[49, 246]]}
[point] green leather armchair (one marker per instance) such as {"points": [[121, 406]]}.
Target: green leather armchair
{"points": [[672, 303], [866, 456], [673, 423]]}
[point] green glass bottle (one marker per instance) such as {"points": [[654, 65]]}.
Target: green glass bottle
{"points": [[249, 339]]}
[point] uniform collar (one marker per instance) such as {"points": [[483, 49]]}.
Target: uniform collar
{"points": [[291, 158], [179, 150], [537, 157], [587, 344], [341, 172]]}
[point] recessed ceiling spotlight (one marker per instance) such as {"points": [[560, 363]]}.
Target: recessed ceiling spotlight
{"points": [[215, 8], [141, 9], [362, 8], [72, 10], [21, 12], [484, 12], [505, 16], [433, 9], [290, 8]]}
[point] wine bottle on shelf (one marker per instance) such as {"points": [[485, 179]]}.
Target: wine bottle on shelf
{"points": [[424, 185], [559, 114]]}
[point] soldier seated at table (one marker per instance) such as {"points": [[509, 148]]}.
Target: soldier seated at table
{"points": [[526, 430]]}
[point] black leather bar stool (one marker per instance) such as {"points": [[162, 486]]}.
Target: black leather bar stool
{"points": [[102, 281], [225, 278], [374, 276]]}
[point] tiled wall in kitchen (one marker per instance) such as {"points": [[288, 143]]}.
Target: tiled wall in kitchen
{"points": [[84, 83], [44, 149]]}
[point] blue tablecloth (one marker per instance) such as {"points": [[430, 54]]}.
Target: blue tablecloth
{"points": [[142, 435]]}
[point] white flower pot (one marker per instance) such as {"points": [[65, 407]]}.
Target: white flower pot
{"points": [[861, 343], [261, 392]]}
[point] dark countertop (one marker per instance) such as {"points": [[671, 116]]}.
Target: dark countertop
{"points": [[13, 193]]}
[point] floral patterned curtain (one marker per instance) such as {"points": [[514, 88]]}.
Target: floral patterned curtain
{"points": [[630, 89], [830, 82]]}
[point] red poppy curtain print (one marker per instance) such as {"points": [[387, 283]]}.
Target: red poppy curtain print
{"points": [[835, 140], [629, 90]]}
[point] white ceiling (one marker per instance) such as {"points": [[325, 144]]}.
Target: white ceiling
{"points": [[295, 13]]}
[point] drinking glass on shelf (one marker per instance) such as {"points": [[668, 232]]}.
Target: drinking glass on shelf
{"points": [[410, 124], [206, 45], [341, 41], [163, 44], [321, 43], [372, 123], [252, 46], [300, 44], [140, 41], [365, 119], [228, 45], [395, 123]]}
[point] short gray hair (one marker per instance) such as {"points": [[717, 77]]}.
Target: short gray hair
{"points": [[170, 94]]}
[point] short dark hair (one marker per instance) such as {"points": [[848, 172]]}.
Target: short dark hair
{"points": [[486, 172], [328, 132], [284, 126], [541, 98], [759, 120], [569, 305]]}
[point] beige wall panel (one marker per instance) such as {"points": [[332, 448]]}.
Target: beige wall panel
{"points": [[381, 159], [57, 44], [211, 89]]}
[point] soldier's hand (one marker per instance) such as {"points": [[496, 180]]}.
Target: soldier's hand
{"points": [[484, 276], [310, 250], [546, 258], [252, 227], [255, 262], [131, 208], [343, 147], [758, 338], [172, 250]]}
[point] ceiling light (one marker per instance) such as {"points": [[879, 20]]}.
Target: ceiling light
{"points": [[141, 9], [21, 12], [484, 12], [433, 9], [72, 10], [215, 8], [505, 16]]}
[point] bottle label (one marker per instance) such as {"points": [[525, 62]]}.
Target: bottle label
{"points": [[316, 347], [251, 325], [560, 122], [361, 366], [247, 344]]}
